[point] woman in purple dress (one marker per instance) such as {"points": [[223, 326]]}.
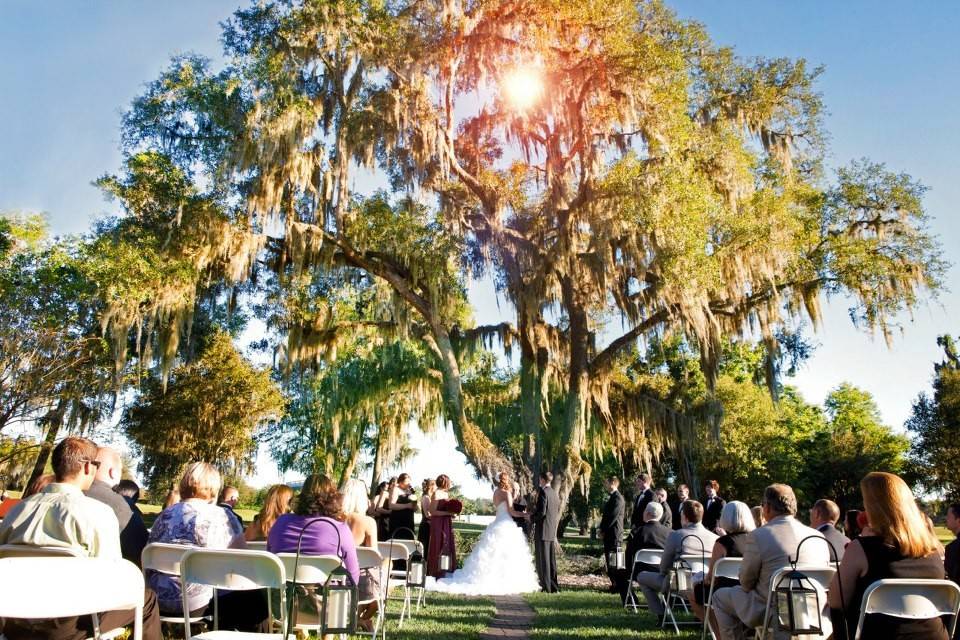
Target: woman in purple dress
{"points": [[442, 541]]}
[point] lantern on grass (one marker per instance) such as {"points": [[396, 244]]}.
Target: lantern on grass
{"points": [[340, 597], [416, 569], [445, 562], [616, 558]]}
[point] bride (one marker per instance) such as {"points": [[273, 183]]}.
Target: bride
{"points": [[500, 562]]}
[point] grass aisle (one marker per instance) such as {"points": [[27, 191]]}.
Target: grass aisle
{"points": [[573, 614], [446, 616]]}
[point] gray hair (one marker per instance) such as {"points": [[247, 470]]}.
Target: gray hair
{"points": [[653, 511], [736, 518]]}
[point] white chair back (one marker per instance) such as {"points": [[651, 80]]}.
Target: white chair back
{"points": [[30, 551], [393, 549], [257, 545], [112, 585], [409, 545], [727, 568], [648, 556], [913, 599], [684, 568], [233, 569], [163, 557], [309, 569], [369, 558]]}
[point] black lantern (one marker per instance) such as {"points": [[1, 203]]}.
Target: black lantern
{"points": [[416, 569], [616, 558], [339, 613], [798, 604]]}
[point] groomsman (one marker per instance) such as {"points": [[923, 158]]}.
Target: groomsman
{"points": [[683, 494], [713, 506], [611, 528], [660, 496], [642, 497], [546, 518]]}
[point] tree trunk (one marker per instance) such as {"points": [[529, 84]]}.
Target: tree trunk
{"points": [[54, 420]]}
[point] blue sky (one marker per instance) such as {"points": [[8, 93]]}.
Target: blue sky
{"points": [[68, 69]]}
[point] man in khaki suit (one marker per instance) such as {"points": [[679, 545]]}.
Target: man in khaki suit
{"points": [[768, 549]]}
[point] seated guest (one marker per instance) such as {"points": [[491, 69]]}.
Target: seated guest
{"points": [[319, 500], [713, 506], [196, 521], [823, 517], [130, 491], [364, 530], [757, 513], [692, 538], [736, 520], [768, 549], [652, 534], [133, 532], [660, 496], [172, 498], [894, 544], [275, 505], [61, 516], [853, 523], [228, 499], [951, 561]]}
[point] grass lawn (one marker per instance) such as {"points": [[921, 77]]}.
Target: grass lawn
{"points": [[573, 614], [445, 617]]}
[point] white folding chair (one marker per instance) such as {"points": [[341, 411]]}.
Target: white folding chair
{"points": [[912, 599], [257, 545], [165, 558], [679, 580], [396, 550], [237, 570], [822, 575], [113, 585], [409, 547], [31, 551], [643, 556], [722, 568], [310, 571], [370, 559]]}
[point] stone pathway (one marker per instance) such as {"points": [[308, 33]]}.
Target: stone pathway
{"points": [[513, 619]]}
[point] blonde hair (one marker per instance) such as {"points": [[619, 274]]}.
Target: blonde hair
{"points": [[894, 515], [429, 486], [275, 505], [199, 480], [504, 483], [355, 498]]}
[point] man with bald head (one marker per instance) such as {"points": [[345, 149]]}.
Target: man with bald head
{"points": [[133, 532]]}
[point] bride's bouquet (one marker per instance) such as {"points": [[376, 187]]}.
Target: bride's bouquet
{"points": [[450, 506]]}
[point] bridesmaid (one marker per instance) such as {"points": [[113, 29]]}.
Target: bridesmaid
{"points": [[423, 533], [441, 530]]}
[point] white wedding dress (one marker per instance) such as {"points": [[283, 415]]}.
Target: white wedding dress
{"points": [[499, 564]]}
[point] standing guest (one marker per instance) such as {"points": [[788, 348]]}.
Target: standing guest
{"points": [[757, 512], [423, 534], [713, 507], [768, 549], [364, 530], [611, 528], [652, 535], [682, 495], [660, 496], [172, 498], [402, 506], [894, 544], [951, 561], [275, 504], [197, 521], [227, 500], [62, 516], [442, 541], [319, 500], [643, 495], [546, 519], [382, 508], [133, 532], [823, 517], [853, 523], [691, 538], [737, 521]]}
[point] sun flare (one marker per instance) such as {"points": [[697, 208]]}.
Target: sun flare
{"points": [[523, 88]]}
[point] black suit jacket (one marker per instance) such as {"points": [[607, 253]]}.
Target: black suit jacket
{"points": [[675, 505], [667, 519], [133, 532], [640, 503], [951, 561], [611, 524], [711, 514], [546, 516], [835, 538], [652, 535]]}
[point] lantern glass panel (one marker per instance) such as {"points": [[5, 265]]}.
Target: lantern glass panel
{"points": [[798, 605]]}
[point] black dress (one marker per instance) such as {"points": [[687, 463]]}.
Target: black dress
{"points": [[886, 561], [401, 520], [733, 544], [423, 533]]}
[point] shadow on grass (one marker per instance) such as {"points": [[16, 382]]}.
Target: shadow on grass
{"points": [[573, 614]]}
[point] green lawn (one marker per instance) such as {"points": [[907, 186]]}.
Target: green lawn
{"points": [[446, 617]]}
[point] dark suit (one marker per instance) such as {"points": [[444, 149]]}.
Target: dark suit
{"points": [[133, 532], [835, 538], [711, 512], [611, 530], [232, 513], [675, 505], [652, 535], [640, 503], [546, 518], [667, 519], [951, 561]]}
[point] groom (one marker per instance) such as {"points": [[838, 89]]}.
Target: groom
{"points": [[545, 519]]}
